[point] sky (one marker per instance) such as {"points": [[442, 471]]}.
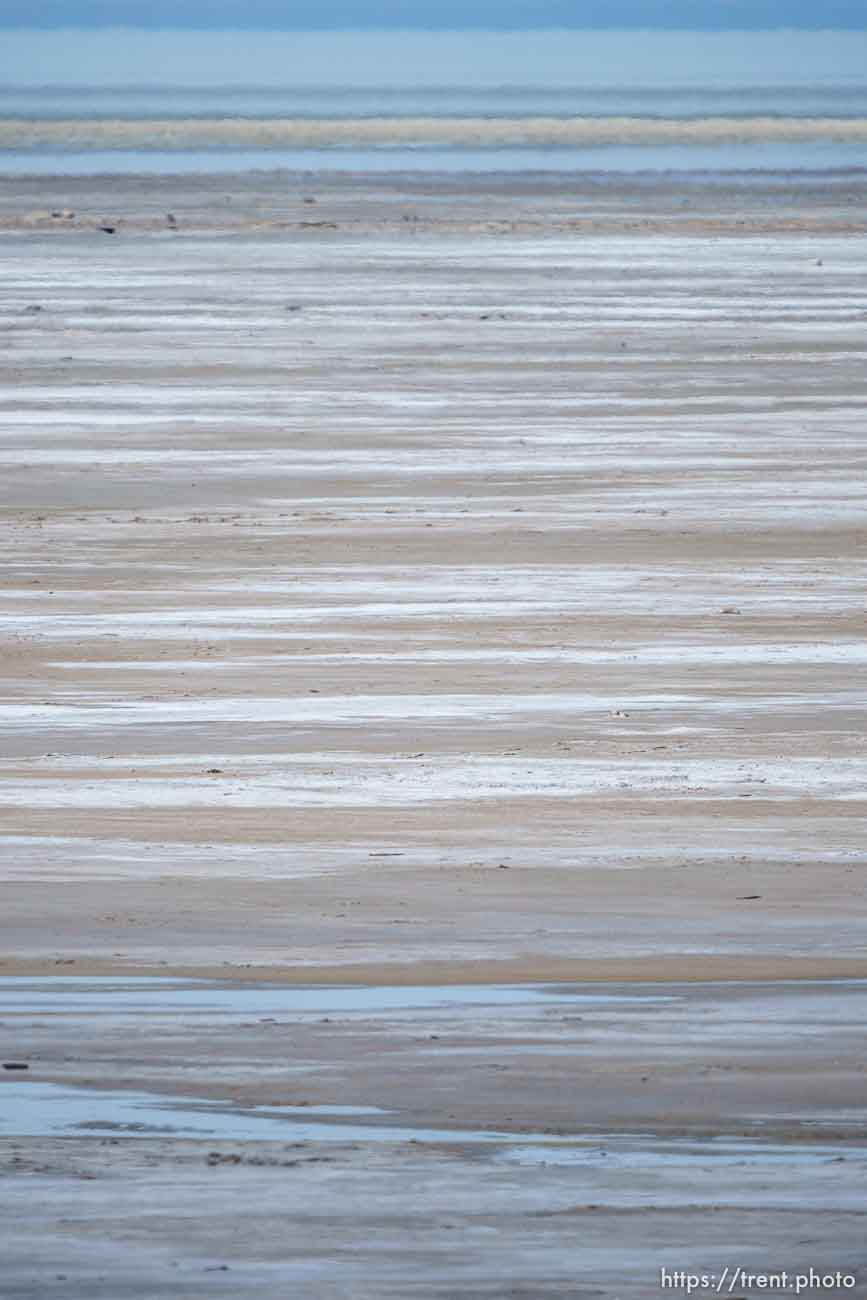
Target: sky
{"points": [[448, 14]]}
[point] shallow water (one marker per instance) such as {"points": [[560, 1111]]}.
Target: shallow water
{"points": [[48, 1109], [628, 1169], [503, 101], [787, 162], [112, 995], [35, 1109]]}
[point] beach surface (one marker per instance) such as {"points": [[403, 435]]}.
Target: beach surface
{"points": [[431, 583]]}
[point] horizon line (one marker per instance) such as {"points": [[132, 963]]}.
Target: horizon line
{"points": [[497, 29]]}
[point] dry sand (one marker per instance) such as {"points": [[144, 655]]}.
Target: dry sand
{"points": [[444, 582]]}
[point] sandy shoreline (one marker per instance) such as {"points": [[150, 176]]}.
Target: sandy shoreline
{"points": [[452, 590], [646, 970], [312, 206], [345, 564]]}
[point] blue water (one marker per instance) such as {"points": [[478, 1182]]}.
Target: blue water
{"points": [[113, 995], [336, 102], [785, 164], [127, 101]]}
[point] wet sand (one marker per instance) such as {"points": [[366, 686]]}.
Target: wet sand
{"points": [[446, 582], [481, 1140]]}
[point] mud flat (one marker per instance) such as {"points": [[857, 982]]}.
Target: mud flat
{"points": [[433, 702], [380, 1140]]}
